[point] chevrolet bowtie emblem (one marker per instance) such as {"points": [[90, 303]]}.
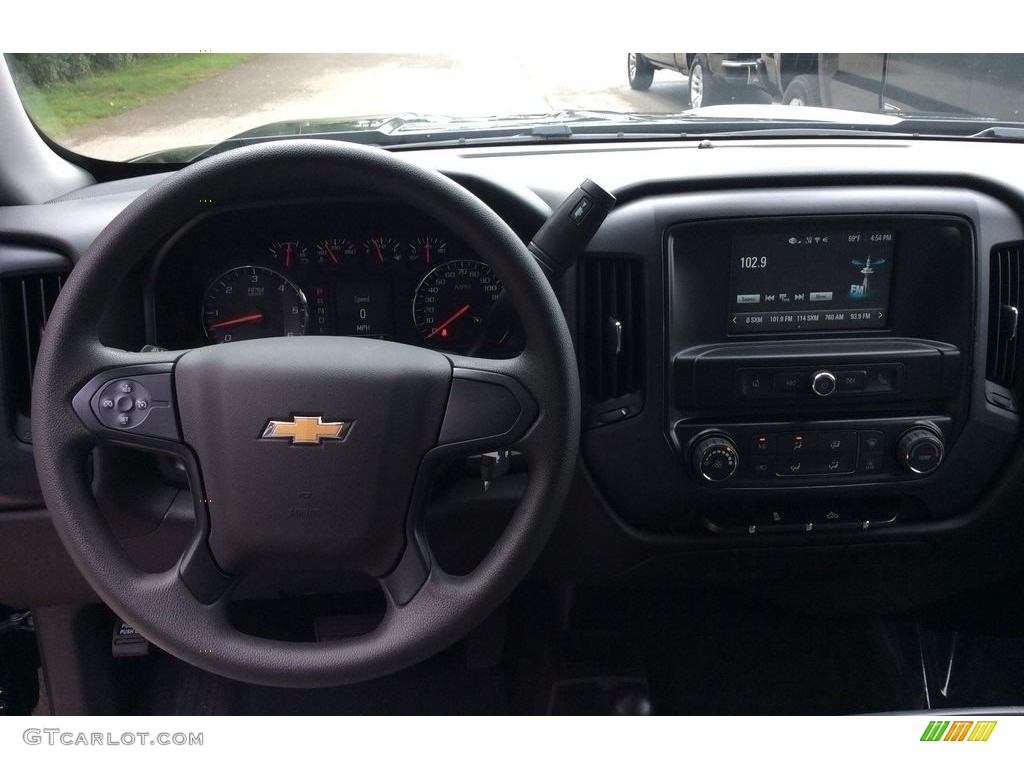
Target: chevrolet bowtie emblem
{"points": [[306, 430]]}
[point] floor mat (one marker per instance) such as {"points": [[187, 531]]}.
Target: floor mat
{"points": [[443, 685], [736, 656]]}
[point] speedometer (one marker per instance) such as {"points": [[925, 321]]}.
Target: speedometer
{"points": [[253, 303], [452, 303]]}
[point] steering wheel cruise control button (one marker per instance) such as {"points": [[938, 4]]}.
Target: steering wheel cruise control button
{"points": [[123, 412], [138, 401]]}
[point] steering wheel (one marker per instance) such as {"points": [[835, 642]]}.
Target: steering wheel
{"points": [[303, 452]]}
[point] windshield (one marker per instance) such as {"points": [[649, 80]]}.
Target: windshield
{"points": [[179, 107]]}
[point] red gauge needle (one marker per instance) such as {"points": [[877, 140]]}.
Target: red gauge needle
{"points": [[287, 255], [330, 252], [380, 253], [252, 317], [426, 250], [454, 316]]}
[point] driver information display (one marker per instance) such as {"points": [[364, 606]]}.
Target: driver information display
{"points": [[810, 281]]}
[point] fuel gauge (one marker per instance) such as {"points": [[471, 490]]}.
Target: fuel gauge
{"points": [[381, 251]]}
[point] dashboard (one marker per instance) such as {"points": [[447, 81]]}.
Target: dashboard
{"points": [[825, 364], [798, 358], [343, 268]]}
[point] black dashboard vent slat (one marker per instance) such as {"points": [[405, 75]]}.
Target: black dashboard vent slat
{"points": [[1004, 333], [26, 302], [612, 328]]}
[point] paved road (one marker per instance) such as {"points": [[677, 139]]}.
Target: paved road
{"points": [[276, 87]]}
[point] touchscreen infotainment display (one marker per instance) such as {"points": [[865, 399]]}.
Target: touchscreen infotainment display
{"points": [[806, 280]]}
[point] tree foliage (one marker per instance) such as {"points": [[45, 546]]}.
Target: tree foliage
{"points": [[46, 68]]}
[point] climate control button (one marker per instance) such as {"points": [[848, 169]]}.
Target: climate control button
{"points": [[715, 459], [920, 450]]}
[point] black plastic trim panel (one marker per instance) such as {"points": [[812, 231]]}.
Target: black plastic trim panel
{"points": [[18, 486], [650, 486]]}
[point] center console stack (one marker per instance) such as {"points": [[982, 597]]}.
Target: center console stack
{"points": [[819, 351]]}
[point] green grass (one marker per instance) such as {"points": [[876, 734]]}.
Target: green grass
{"points": [[62, 108]]}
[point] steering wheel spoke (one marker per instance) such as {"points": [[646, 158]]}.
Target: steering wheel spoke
{"points": [[414, 569], [488, 407], [129, 400]]}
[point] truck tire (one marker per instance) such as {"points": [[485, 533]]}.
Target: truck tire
{"points": [[640, 71], [802, 92], [704, 89]]}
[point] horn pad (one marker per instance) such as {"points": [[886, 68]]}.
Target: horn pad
{"points": [[309, 447]]}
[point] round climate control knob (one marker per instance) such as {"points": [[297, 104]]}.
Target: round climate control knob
{"points": [[920, 450], [715, 459], [823, 383]]}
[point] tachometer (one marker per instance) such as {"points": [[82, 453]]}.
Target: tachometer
{"points": [[453, 301], [253, 303]]}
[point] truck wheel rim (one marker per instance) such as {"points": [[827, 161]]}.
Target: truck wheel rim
{"points": [[696, 87]]}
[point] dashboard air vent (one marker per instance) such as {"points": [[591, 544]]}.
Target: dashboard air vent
{"points": [[612, 325], [1005, 299], [26, 302]]}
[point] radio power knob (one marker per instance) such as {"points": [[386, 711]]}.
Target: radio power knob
{"points": [[920, 450], [715, 459], [823, 383]]}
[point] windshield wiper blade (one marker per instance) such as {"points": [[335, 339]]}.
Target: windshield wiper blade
{"points": [[416, 129], [814, 132], [1001, 132]]}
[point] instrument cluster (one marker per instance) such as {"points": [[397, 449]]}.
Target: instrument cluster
{"points": [[365, 268]]}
